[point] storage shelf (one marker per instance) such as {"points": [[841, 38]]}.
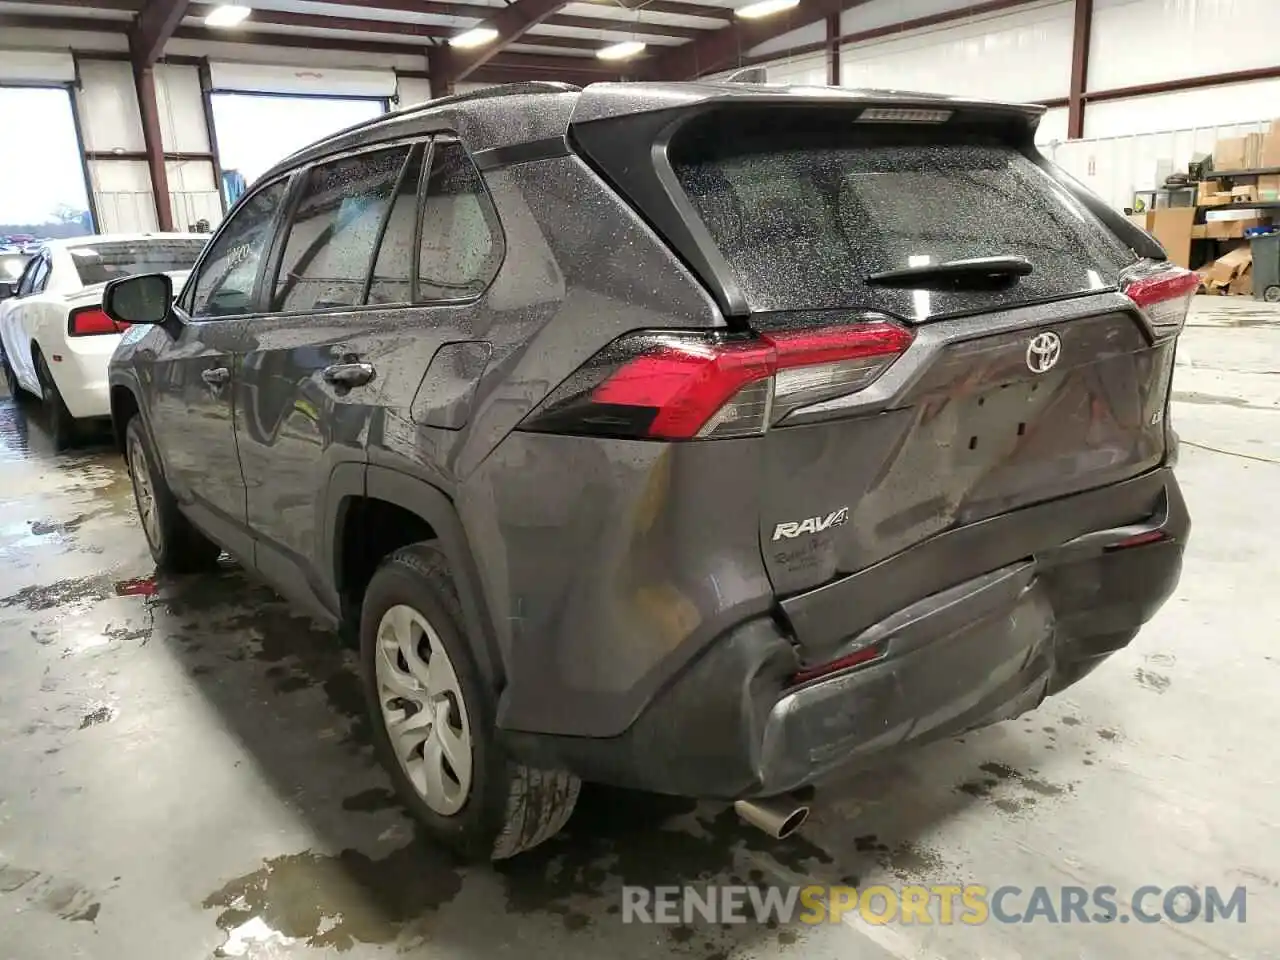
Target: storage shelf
{"points": [[1248, 205], [1255, 172]]}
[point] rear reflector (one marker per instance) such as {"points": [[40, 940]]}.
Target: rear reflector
{"points": [[91, 321], [1139, 540], [1163, 292], [686, 386], [865, 655]]}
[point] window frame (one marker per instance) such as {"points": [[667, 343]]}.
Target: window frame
{"points": [[280, 240], [183, 302], [40, 285], [492, 218], [27, 280], [426, 144]]}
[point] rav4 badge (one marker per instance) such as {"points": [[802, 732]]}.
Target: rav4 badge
{"points": [[789, 531]]}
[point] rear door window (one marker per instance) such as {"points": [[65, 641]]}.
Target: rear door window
{"points": [[392, 279], [804, 216], [461, 246], [335, 230]]}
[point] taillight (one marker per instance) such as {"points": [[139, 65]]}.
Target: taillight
{"points": [[1163, 292], [89, 321], [684, 386]]}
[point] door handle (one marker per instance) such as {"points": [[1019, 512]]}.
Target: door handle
{"points": [[216, 376], [354, 374]]}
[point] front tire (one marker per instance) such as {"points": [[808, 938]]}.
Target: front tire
{"points": [[11, 379], [433, 718], [176, 545], [63, 428]]}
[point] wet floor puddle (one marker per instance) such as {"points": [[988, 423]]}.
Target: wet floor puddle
{"points": [[575, 879]]}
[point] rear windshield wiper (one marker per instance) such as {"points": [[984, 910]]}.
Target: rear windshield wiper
{"points": [[956, 274]]}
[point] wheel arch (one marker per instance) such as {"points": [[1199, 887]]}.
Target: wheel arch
{"points": [[434, 508]]}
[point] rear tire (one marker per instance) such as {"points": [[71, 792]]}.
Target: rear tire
{"points": [[63, 428], [1271, 294], [176, 545], [445, 761]]}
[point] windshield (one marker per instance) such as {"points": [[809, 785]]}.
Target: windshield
{"points": [[100, 262], [804, 216], [12, 265]]}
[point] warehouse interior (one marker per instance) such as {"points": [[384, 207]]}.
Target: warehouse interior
{"points": [[185, 762]]}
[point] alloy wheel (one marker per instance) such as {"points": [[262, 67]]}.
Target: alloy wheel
{"points": [[423, 709], [144, 493]]}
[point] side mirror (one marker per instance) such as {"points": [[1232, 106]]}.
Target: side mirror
{"points": [[8, 288], [146, 298]]}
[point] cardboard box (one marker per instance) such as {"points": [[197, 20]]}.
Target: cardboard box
{"points": [[1268, 187], [1232, 229], [1172, 227], [1228, 154], [1207, 188], [1229, 266], [1271, 146], [1199, 231], [1245, 193], [1215, 200], [1253, 144], [1242, 285]]}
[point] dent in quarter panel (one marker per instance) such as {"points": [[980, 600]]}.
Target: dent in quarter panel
{"points": [[607, 564]]}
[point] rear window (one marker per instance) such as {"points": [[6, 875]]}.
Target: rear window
{"points": [[100, 262], [12, 265], [804, 216]]}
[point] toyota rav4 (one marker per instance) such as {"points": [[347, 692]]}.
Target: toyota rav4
{"points": [[698, 438]]}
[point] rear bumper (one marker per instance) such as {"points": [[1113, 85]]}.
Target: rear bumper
{"points": [[81, 375], [984, 650]]}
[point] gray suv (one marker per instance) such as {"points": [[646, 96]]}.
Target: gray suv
{"points": [[698, 438]]}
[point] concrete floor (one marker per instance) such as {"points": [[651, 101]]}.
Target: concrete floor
{"points": [[177, 762]]}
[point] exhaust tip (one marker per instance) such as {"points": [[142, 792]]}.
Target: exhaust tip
{"points": [[793, 823], [779, 818]]}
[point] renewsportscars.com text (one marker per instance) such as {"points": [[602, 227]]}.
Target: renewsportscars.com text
{"points": [[944, 904]]}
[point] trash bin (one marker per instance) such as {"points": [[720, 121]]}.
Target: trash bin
{"points": [[1266, 267]]}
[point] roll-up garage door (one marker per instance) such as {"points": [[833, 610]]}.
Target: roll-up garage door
{"points": [[324, 82]]}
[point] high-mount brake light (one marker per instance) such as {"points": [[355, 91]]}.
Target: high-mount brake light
{"points": [[1164, 295], [685, 386]]}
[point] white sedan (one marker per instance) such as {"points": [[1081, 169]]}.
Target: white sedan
{"points": [[56, 339]]}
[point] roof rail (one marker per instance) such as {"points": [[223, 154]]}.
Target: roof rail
{"points": [[747, 75], [497, 90], [500, 90]]}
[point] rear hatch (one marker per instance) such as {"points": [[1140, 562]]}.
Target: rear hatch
{"points": [[948, 316]]}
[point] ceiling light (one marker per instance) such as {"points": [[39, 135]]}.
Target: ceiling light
{"points": [[226, 15], [620, 51], [475, 37], [765, 8]]}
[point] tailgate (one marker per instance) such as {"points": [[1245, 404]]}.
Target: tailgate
{"points": [[962, 429]]}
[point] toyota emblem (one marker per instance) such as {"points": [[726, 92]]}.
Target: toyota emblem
{"points": [[1043, 352]]}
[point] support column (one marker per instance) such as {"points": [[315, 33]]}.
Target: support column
{"points": [[833, 50], [1081, 38], [145, 81], [439, 72]]}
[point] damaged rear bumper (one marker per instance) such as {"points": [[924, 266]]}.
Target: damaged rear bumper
{"points": [[987, 648]]}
